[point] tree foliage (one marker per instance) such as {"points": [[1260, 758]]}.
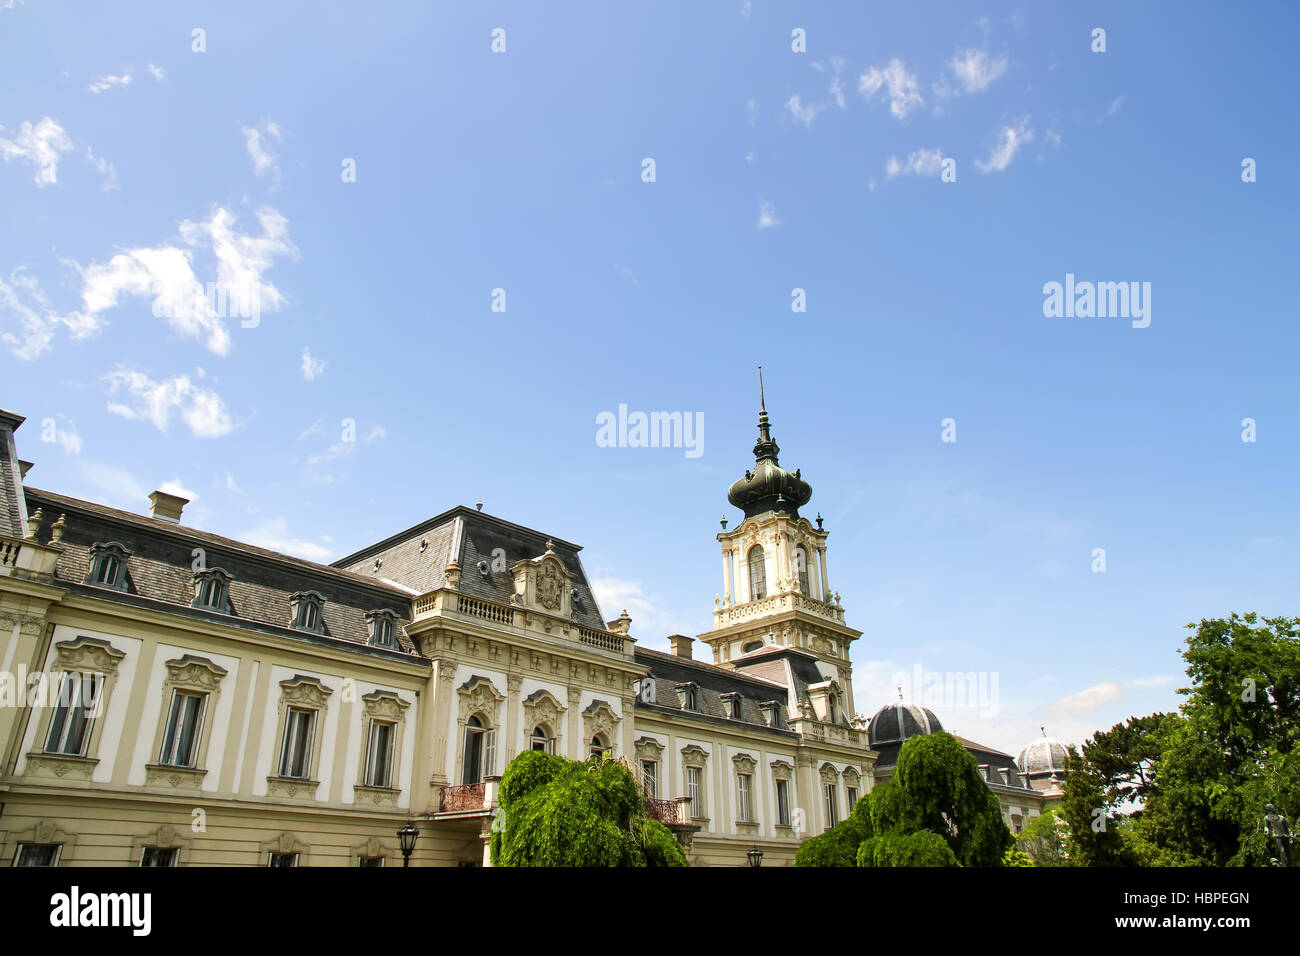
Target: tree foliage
{"points": [[1043, 838], [936, 810], [558, 812]]}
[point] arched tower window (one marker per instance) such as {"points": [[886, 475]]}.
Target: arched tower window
{"points": [[480, 751], [757, 574], [801, 569]]}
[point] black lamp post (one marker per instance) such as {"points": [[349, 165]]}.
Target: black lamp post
{"points": [[408, 835], [755, 857]]}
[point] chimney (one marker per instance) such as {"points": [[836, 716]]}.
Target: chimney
{"points": [[681, 645], [166, 507]]}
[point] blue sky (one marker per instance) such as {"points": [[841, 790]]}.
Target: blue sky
{"points": [[131, 165]]}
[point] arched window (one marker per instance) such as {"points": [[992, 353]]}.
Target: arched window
{"points": [[757, 574], [598, 746], [480, 751], [801, 569], [542, 742]]}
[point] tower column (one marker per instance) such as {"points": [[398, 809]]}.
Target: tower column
{"points": [[826, 584], [726, 577]]}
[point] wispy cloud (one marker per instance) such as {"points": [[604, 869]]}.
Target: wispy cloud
{"points": [[174, 487], [975, 71], [39, 146], [1116, 105], [767, 215], [157, 72], [923, 162], [901, 88], [800, 112], [273, 534], [312, 368], [1010, 139], [104, 167], [201, 409], [263, 159], [109, 81], [1086, 701]]}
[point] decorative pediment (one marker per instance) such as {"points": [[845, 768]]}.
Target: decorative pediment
{"points": [[693, 755], [647, 748], [478, 695], [600, 718], [384, 705], [782, 770], [852, 777], [303, 691], [164, 836], [372, 847], [828, 773], [541, 707], [286, 843], [87, 654], [197, 673], [544, 583], [744, 763]]}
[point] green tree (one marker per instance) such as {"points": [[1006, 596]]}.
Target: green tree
{"points": [[558, 812], [1043, 838]]}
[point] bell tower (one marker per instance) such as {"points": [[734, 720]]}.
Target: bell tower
{"points": [[775, 587]]}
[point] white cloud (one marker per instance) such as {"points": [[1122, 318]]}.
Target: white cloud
{"points": [[114, 484], [767, 215], [157, 72], [651, 623], [108, 82], [311, 368], [104, 167], [1010, 139], [902, 87], [802, 114], [379, 431], [174, 487], [39, 146], [67, 436], [1116, 105], [975, 71], [22, 297], [1086, 701], [923, 162], [200, 409], [274, 535], [263, 160], [746, 8], [231, 486]]}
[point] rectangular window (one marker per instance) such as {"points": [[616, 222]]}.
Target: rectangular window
{"points": [[282, 859], [650, 778], [745, 812], [783, 802], [295, 759], [37, 854], [693, 791], [370, 861], [853, 798], [489, 752], [180, 741], [159, 856], [74, 715], [831, 818], [379, 755]]}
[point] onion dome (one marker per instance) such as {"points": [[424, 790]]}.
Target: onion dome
{"points": [[768, 486], [894, 723], [1043, 755]]}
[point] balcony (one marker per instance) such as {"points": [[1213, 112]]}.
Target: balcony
{"points": [[733, 614], [447, 603], [665, 811], [28, 558], [470, 796]]}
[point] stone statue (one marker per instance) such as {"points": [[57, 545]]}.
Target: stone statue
{"points": [[1275, 826]]}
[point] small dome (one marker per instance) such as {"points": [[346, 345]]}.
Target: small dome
{"points": [[1043, 755], [895, 722], [767, 486]]}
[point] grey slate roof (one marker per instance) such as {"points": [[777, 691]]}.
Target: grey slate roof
{"points": [[262, 581], [669, 670], [471, 537], [11, 511]]}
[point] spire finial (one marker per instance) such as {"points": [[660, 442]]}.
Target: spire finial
{"points": [[900, 692], [762, 402], [764, 426]]}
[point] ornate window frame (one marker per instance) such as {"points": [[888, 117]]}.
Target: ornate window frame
{"points": [[80, 655], [43, 833], [301, 605], [783, 771], [830, 777], [478, 697], [773, 714], [732, 704], [100, 551], [195, 675], [299, 692], [284, 843], [374, 848], [381, 707], [379, 623], [599, 720], [744, 765], [852, 782], [695, 757], [163, 837], [542, 709], [689, 697], [223, 578], [648, 750]]}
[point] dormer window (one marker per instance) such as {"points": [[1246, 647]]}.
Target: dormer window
{"points": [[383, 629], [108, 566], [773, 714], [212, 591], [306, 608], [690, 696], [731, 703]]}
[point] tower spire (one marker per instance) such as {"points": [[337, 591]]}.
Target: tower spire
{"points": [[764, 426]]}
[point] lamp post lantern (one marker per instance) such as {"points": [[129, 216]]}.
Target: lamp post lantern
{"points": [[407, 835], [755, 857]]}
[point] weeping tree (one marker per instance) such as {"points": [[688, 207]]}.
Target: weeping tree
{"points": [[558, 812], [936, 810]]}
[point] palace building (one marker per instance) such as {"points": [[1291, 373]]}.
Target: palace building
{"points": [[172, 697]]}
